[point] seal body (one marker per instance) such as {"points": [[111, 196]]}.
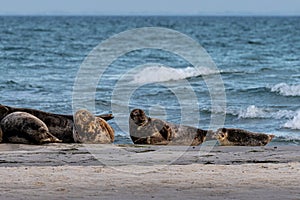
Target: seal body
{"points": [[61, 126], [91, 129], [22, 127], [146, 130], [240, 137]]}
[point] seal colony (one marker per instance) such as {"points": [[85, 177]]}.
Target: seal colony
{"points": [[59, 128], [146, 130], [24, 125]]}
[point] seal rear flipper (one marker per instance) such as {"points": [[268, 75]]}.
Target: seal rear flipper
{"points": [[106, 117], [271, 137]]}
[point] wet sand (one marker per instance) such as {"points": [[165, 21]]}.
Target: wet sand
{"points": [[76, 171]]}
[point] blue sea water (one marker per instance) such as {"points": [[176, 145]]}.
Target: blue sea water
{"points": [[258, 59]]}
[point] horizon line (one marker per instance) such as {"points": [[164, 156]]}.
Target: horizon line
{"points": [[157, 14]]}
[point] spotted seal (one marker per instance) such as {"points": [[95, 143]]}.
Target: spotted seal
{"points": [[146, 130], [240, 137], [22, 127], [90, 129], [60, 126]]}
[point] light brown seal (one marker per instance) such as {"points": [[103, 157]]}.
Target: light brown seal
{"points": [[61, 126], [240, 137], [90, 129], [146, 130], [22, 127]]}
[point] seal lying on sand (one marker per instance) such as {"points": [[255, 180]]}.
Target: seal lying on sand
{"points": [[90, 129], [22, 127], [60, 126], [239, 137], [146, 130]]}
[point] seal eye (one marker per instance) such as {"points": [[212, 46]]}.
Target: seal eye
{"points": [[224, 130]]}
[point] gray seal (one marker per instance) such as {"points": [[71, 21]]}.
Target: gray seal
{"points": [[91, 129], [22, 127], [240, 137], [147, 130], [61, 126]]}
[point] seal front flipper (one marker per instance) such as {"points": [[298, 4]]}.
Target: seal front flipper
{"points": [[91, 129], [22, 127]]}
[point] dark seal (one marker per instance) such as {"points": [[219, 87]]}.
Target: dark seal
{"points": [[22, 127], [240, 137], [146, 130], [91, 129], [61, 126]]}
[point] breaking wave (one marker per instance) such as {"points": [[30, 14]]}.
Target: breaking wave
{"points": [[255, 112], [162, 74], [286, 90], [293, 123]]}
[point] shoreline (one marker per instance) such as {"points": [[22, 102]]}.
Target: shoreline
{"points": [[77, 171]]}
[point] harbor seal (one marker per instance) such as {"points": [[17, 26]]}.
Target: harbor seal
{"points": [[146, 130], [90, 129], [61, 126], [22, 127], [240, 137]]}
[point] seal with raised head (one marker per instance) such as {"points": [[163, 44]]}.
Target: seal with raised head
{"points": [[90, 129], [147, 130], [61, 126], [22, 127], [240, 137]]}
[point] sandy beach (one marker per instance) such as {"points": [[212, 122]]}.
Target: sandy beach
{"points": [[77, 171]]}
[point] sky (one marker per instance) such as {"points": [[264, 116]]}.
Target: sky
{"points": [[150, 7]]}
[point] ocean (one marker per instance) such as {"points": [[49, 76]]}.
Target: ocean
{"points": [[257, 58]]}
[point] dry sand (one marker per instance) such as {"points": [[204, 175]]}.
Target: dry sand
{"points": [[76, 171]]}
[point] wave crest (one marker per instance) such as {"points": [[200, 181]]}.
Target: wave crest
{"points": [[163, 74], [255, 112], [293, 123], [286, 90]]}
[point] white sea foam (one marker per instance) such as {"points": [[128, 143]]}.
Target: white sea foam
{"points": [[161, 74], [293, 123], [286, 90], [255, 112]]}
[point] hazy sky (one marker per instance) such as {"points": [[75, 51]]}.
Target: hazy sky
{"points": [[171, 7]]}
